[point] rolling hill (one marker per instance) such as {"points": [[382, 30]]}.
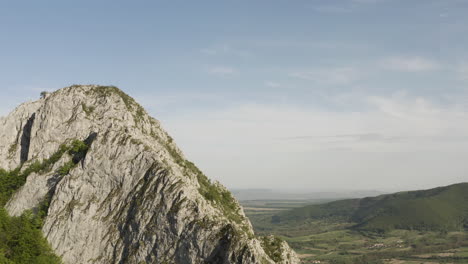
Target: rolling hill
{"points": [[441, 209]]}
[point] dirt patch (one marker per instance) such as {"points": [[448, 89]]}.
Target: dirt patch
{"points": [[445, 254], [301, 256], [264, 209], [397, 261]]}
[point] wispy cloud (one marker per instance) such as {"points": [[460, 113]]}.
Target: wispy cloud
{"points": [[330, 76], [367, 1], [272, 84], [225, 49], [222, 70], [280, 43], [397, 138], [216, 50], [350, 137], [385, 119], [462, 71], [171, 103], [409, 64], [332, 9], [343, 8]]}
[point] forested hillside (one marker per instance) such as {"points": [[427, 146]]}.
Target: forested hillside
{"points": [[438, 209]]}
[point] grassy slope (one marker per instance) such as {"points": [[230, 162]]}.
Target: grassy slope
{"points": [[443, 208]]}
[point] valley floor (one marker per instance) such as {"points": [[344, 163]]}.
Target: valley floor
{"points": [[333, 243]]}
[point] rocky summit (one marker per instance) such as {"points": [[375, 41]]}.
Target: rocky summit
{"points": [[114, 187]]}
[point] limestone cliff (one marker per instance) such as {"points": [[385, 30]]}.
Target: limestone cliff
{"points": [[116, 187]]}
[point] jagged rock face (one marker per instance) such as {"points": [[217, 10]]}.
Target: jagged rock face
{"points": [[133, 198]]}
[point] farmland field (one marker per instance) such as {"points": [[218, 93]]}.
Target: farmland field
{"points": [[335, 243]]}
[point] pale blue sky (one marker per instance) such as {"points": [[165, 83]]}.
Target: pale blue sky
{"points": [[276, 94]]}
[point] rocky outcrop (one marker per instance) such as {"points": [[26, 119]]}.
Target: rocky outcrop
{"points": [[131, 196]]}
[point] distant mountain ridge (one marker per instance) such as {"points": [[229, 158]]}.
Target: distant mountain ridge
{"points": [[313, 195], [442, 208]]}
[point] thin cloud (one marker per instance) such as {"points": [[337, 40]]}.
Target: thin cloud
{"points": [[330, 76], [164, 104], [331, 9], [272, 84], [222, 70], [343, 8], [462, 71], [225, 49], [396, 138], [409, 64], [387, 119], [209, 51], [353, 137], [277, 43], [216, 50], [367, 1]]}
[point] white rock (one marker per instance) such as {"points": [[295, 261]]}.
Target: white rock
{"points": [[132, 199]]}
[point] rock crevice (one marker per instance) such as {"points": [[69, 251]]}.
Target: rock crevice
{"points": [[26, 138]]}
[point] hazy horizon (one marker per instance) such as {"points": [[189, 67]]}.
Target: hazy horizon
{"points": [[312, 95]]}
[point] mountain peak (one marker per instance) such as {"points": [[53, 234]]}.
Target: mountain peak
{"points": [[99, 95], [117, 188]]}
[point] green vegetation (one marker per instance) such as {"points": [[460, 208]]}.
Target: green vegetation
{"points": [[78, 150], [12, 149], [333, 211], [439, 209], [177, 157], [87, 109], [139, 114], [11, 181], [327, 233], [272, 247], [21, 240], [105, 91], [66, 168], [217, 196]]}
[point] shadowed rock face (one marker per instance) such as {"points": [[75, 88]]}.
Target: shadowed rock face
{"points": [[26, 138], [133, 197]]}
